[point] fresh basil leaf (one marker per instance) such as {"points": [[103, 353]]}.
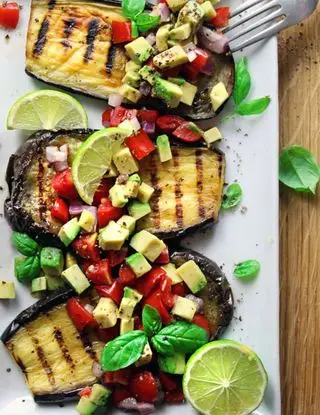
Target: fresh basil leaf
{"points": [[151, 320], [132, 8], [253, 107], [242, 81], [247, 269], [24, 244], [123, 351], [146, 21], [298, 169], [26, 269], [232, 196], [134, 30], [180, 337]]}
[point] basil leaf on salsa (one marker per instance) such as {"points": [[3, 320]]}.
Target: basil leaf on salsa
{"points": [[146, 22], [123, 351], [151, 320], [132, 8], [242, 81]]}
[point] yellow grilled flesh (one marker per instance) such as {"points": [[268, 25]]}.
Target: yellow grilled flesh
{"points": [[52, 355], [69, 44], [188, 189]]}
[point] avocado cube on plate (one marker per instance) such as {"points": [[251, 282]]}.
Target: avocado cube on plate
{"points": [[130, 93], [139, 50], [126, 308], [124, 161], [192, 276], [176, 5], [172, 364], [146, 356], [87, 221], [182, 32], [54, 283], [69, 231], [184, 308], [52, 261], [162, 36], [106, 313], [218, 95], [126, 325], [168, 92], [128, 222], [138, 209], [212, 135], [134, 295], [39, 285], [164, 149], [208, 10], [86, 407], [171, 271], [7, 290], [145, 192], [147, 244], [76, 278], [171, 58], [132, 78], [188, 93], [138, 264], [113, 236], [131, 189], [117, 195]]}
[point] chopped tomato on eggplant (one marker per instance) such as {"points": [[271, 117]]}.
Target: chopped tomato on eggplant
{"points": [[121, 32], [188, 132], [140, 145], [168, 298], [147, 115], [117, 257], [120, 394], [60, 210], [62, 183], [163, 258], [107, 212], [169, 123], [155, 300], [222, 17], [150, 281], [202, 321], [120, 377], [180, 289], [86, 392], [9, 15], [106, 335], [120, 114], [114, 291], [103, 191], [126, 275], [168, 382], [100, 273], [175, 396], [106, 117], [86, 247], [143, 387], [192, 69], [138, 323], [80, 317]]}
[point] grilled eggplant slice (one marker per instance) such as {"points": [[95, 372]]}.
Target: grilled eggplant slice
{"points": [[54, 358], [188, 188], [69, 45]]}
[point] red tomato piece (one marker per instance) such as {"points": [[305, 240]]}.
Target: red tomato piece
{"points": [[140, 145], [120, 377], [188, 132], [202, 321], [163, 258], [143, 387], [107, 212], [168, 298], [150, 281], [60, 210], [119, 395], [155, 300], [106, 117], [180, 289], [106, 335], [115, 291], [117, 257], [201, 60], [138, 323], [80, 317], [62, 183], [86, 392], [100, 273], [121, 32], [222, 17], [175, 396], [120, 114], [168, 382], [168, 123], [126, 275], [86, 247], [9, 15], [190, 72], [147, 115], [103, 191]]}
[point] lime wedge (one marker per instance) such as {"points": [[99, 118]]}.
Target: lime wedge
{"points": [[46, 110], [224, 378], [93, 160]]}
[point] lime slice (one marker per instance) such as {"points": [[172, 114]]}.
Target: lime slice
{"points": [[224, 378], [46, 110], [93, 160]]}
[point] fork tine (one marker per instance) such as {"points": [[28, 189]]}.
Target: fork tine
{"points": [[245, 6], [257, 24]]}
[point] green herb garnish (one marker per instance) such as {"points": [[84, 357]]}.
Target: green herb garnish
{"points": [[134, 30], [24, 244], [253, 107], [247, 270], [242, 81], [26, 269], [132, 8], [193, 127], [151, 320], [232, 197], [146, 22]]}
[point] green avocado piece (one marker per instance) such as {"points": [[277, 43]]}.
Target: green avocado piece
{"points": [[54, 283], [86, 407], [138, 209], [99, 395], [39, 285], [69, 231], [76, 278], [173, 364], [135, 178], [7, 290], [52, 261], [169, 92], [138, 264], [164, 149]]}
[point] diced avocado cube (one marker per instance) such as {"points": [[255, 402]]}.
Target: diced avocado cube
{"points": [[135, 178], [148, 74], [147, 244], [184, 308], [192, 276], [208, 10], [171, 271], [164, 149], [146, 356], [112, 172], [69, 231], [162, 36], [212, 135], [139, 50], [126, 325], [117, 195], [170, 58], [181, 33], [86, 407], [54, 283], [113, 236], [176, 5], [138, 209], [39, 285], [168, 92], [145, 192], [106, 313], [132, 66], [138, 264], [128, 222], [132, 78], [172, 364], [99, 395], [188, 93], [131, 189], [70, 260], [52, 261], [76, 278], [124, 161], [134, 295], [126, 308], [191, 13], [87, 221], [7, 290], [218, 95], [130, 93]]}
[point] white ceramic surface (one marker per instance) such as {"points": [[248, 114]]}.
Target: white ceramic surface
{"points": [[250, 231]]}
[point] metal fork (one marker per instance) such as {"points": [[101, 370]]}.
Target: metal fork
{"points": [[276, 16]]}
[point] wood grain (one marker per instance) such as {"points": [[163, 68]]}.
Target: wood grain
{"points": [[299, 66]]}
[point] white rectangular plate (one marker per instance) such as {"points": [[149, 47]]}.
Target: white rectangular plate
{"points": [[248, 232]]}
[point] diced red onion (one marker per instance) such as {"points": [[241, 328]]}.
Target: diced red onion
{"points": [[115, 100], [64, 149], [61, 165], [198, 302], [212, 40], [89, 308], [145, 408], [189, 46], [97, 370], [192, 55], [75, 208], [145, 88], [208, 68], [135, 124], [131, 404], [53, 154], [148, 127], [164, 12], [151, 38]]}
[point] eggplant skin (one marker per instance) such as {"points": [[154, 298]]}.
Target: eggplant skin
{"points": [[217, 295]]}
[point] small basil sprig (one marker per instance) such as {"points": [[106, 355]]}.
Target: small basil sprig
{"points": [[123, 351], [146, 22], [247, 270], [242, 81], [26, 269], [132, 8], [151, 320], [24, 244], [253, 107], [232, 197], [180, 337], [298, 169]]}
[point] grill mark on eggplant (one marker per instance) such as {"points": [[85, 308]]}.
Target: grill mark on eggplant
{"points": [[199, 166], [65, 352], [21, 365], [93, 30], [42, 205], [51, 4], [177, 190], [156, 196], [42, 38], [84, 337], [112, 53], [220, 161], [42, 357], [69, 25]]}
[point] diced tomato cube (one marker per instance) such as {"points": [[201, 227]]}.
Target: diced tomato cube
{"points": [[202, 321], [121, 32], [86, 392], [62, 183], [114, 291], [140, 145], [150, 281], [9, 15], [117, 257], [168, 298], [126, 275], [106, 117], [120, 394], [106, 335], [180, 289], [143, 387], [163, 258], [80, 317], [86, 247], [100, 273], [147, 115], [60, 210], [103, 191], [168, 382], [155, 300], [188, 132], [169, 123], [120, 377], [107, 212], [175, 396], [222, 17]]}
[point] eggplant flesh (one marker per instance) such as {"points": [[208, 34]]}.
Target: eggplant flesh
{"points": [[69, 44], [188, 189]]}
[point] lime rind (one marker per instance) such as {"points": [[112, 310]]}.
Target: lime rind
{"points": [[225, 377]]}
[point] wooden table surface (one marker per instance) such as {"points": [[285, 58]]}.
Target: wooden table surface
{"points": [[299, 66]]}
